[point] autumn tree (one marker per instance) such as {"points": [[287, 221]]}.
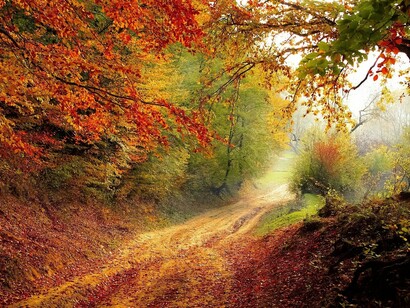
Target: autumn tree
{"points": [[401, 174], [91, 76], [75, 72], [239, 111], [330, 37], [251, 139], [366, 26]]}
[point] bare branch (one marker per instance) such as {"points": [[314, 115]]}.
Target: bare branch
{"points": [[365, 113]]}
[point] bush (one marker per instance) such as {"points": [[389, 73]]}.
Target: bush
{"points": [[328, 162], [311, 224], [379, 163], [157, 178], [374, 237], [77, 178], [401, 181]]}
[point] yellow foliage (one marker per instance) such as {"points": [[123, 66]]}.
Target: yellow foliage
{"points": [[279, 124]]}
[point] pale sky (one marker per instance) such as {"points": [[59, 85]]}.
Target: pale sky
{"points": [[358, 98]]}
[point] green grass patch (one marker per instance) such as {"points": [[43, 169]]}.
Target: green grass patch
{"points": [[290, 213]]}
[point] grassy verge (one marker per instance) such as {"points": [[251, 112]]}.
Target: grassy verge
{"points": [[290, 213]]}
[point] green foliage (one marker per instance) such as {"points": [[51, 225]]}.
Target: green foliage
{"points": [[59, 177], [327, 162], [157, 178], [24, 22], [80, 178], [400, 180], [379, 163], [239, 113], [389, 168], [359, 30], [248, 148]]}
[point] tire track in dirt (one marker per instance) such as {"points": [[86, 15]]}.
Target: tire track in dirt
{"points": [[180, 266]]}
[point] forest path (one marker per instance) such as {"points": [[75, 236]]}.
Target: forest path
{"points": [[181, 266]]}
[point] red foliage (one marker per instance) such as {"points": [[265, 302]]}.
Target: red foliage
{"points": [[78, 65], [328, 155], [285, 269], [390, 48]]}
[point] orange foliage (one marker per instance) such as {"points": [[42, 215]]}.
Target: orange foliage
{"points": [[71, 71], [328, 154], [390, 48]]}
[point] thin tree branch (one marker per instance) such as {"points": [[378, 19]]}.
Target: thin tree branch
{"points": [[368, 72], [304, 9], [238, 73], [97, 90]]}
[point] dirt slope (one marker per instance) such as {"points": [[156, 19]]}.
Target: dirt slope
{"points": [[181, 266]]}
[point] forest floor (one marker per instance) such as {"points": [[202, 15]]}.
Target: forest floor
{"points": [[216, 259], [254, 252], [195, 264]]}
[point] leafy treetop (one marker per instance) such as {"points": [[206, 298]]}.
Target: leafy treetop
{"points": [[72, 71], [369, 25], [331, 37]]}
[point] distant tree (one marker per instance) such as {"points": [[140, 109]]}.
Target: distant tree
{"points": [[380, 163], [382, 123], [244, 122], [401, 179], [367, 113]]}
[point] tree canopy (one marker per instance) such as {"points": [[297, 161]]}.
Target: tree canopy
{"points": [[330, 37], [74, 72], [100, 76]]}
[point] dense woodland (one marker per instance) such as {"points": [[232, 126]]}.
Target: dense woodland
{"points": [[131, 115]]}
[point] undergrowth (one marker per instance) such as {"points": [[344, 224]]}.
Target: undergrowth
{"points": [[374, 238], [370, 261], [350, 255]]}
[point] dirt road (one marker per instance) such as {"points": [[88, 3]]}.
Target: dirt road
{"points": [[180, 266]]}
